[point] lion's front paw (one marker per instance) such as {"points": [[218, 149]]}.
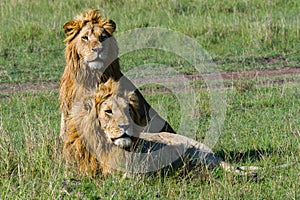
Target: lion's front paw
{"points": [[123, 142]]}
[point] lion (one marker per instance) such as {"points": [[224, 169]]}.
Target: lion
{"points": [[91, 58], [104, 139], [106, 114], [93, 136]]}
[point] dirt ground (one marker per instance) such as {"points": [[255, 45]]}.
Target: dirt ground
{"points": [[280, 73]]}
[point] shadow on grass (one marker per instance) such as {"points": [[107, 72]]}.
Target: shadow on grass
{"points": [[250, 155]]}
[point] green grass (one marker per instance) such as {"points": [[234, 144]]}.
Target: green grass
{"points": [[261, 125], [261, 128], [237, 34]]}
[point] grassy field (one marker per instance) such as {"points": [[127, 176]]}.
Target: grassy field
{"points": [[237, 34], [261, 125]]}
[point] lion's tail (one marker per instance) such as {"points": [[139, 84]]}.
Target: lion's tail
{"points": [[242, 170], [250, 170]]}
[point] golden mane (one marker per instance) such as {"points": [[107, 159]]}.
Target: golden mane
{"points": [[109, 88], [90, 62], [83, 122], [77, 80], [73, 27]]}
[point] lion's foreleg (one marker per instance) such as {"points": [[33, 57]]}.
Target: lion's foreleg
{"points": [[63, 126]]}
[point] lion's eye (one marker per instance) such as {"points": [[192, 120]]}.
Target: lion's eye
{"points": [[103, 36], [85, 38], [109, 112]]}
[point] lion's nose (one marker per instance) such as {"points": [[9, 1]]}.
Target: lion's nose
{"points": [[124, 126], [97, 49]]}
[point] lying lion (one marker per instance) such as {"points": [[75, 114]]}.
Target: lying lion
{"points": [[101, 118], [103, 123]]}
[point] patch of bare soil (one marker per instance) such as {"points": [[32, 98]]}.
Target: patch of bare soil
{"points": [[22, 87], [281, 73]]}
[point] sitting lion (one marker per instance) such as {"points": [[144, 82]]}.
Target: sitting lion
{"points": [[91, 58], [102, 138]]}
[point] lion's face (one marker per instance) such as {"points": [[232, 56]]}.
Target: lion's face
{"points": [[96, 47], [93, 40], [115, 120]]}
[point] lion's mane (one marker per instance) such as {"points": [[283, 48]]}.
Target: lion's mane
{"points": [[78, 80], [84, 125]]}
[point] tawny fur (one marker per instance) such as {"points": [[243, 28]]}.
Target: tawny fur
{"points": [[86, 119], [79, 79], [148, 152]]}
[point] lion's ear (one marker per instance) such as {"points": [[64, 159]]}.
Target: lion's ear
{"points": [[133, 99], [109, 25], [71, 27]]}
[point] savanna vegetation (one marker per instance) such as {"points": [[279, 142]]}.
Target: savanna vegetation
{"points": [[262, 119]]}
